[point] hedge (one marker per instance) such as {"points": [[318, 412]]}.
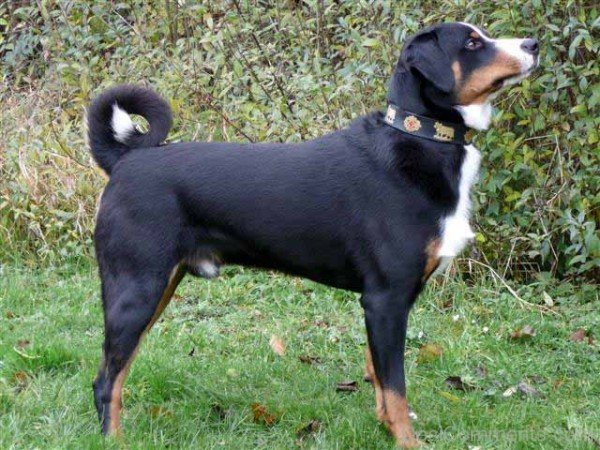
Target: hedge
{"points": [[287, 71]]}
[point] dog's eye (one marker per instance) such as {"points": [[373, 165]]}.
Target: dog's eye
{"points": [[473, 44]]}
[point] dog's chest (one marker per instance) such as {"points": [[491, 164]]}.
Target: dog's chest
{"points": [[456, 230]]}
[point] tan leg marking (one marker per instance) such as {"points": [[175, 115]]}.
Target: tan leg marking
{"points": [[379, 401], [116, 402], [398, 420], [174, 280], [433, 260]]}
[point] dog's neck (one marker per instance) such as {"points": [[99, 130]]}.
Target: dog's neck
{"points": [[410, 93]]}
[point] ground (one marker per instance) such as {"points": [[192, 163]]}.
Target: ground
{"points": [[208, 361]]}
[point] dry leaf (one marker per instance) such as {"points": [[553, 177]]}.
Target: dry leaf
{"points": [[510, 391], [526, 332], [448, 304], [277, 345], [347, 386], [310, 428], [458, 384], [260, 414], [9, 314], [429, 353], [548, 300], [528, 391], [19, 377], [578, 335], [306, 359]]}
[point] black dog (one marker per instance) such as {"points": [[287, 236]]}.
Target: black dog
{"points": [[374, 208]]}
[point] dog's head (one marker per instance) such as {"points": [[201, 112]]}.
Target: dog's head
{"points": [[462, 67]]}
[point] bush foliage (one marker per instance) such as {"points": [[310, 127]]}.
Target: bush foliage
{"points": [[286, 71]]}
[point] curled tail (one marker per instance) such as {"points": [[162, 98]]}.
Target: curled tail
{"points": [[112, 133]]}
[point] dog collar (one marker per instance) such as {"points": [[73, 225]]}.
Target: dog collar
{"points": [[425, 127]]}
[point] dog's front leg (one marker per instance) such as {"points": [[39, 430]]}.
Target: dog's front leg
{"points": [[386, 317]]}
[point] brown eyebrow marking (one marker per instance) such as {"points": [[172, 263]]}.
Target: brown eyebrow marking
{"points": [[475, 35]]}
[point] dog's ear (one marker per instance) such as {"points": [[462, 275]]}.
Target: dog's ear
{"points": [[424, 54]]}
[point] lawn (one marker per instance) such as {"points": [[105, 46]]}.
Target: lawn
{"points": [[208, 361]]}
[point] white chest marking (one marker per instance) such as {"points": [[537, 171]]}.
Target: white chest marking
{"points": [[456, 231]]}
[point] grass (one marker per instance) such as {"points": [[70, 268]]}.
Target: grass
{"points": [[208, 360]]}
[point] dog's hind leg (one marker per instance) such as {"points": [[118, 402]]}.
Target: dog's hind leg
{"points": [[132, 304]]}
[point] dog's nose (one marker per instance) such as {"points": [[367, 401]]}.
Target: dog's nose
{"points": [[530, 46]]}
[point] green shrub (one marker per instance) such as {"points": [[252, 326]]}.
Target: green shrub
{"points": [[241, 70]]}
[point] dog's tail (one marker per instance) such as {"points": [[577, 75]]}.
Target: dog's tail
{"points": [[112, 133]]}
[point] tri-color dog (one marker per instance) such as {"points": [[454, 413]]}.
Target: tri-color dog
{"points": [[375, 208]]}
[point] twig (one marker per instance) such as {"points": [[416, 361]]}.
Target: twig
{"points": [[510, 289]]}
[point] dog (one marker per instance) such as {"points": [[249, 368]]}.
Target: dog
{"points": [[374, 208]]}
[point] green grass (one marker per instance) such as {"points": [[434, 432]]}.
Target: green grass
{"points": [[203, 400]]}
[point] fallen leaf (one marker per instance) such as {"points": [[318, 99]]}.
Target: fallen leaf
{"points": [[458, 384], [19, 377], [528, 391], [548, 300], [429, 353], [578, 335], [176, 297], [527, 332], [261, 415], [10, 315], [510, 391], [347, 386], [523, 388], [309, 429], [23, 343], [306, 359], [448, 304], [277, 345]]}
